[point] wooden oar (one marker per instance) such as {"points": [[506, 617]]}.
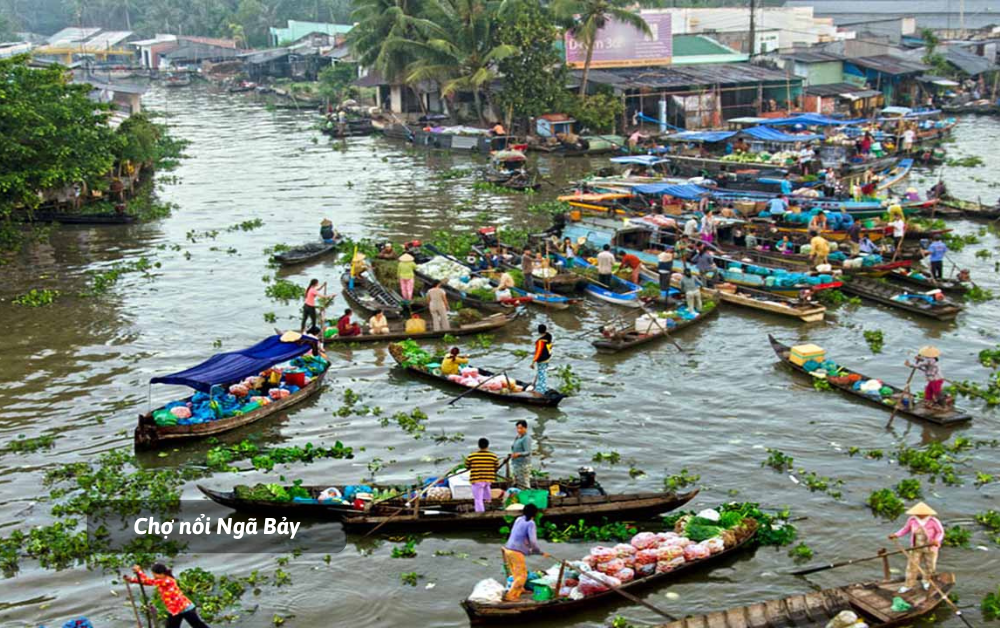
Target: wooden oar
{"points": [[152, 621], [899, 403], [491, 377], [816, 568], [665, 332], [131, 600], [930, 580], [625, 594], [408, 502]]}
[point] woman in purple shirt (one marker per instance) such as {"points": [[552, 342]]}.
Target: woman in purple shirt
{"points": [[523, 540]]}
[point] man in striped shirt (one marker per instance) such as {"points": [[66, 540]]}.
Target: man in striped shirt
{"points": [[482, 466]]}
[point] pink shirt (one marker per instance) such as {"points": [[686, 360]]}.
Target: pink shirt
{"points": [[311, 295], [933, 528]]}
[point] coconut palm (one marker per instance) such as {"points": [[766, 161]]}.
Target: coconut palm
{"points": [[585, 18]]}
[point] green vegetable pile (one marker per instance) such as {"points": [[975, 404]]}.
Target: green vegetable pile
{"points": [[413, 355], [271, 492], [771, 529]]}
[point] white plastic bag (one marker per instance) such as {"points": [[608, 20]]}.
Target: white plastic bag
{"points": [[487, 591]]}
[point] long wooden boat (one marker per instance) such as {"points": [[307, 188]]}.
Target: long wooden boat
{"points": [[358, 127], [633, 338], [306, 252], [941, 416], [427, 282], [621, 292], [809, 312], [971, 209], [948, 286], [563, 282], [64, 218], [149, 435], [528, 610], [397, 331], [549, 399], [870, 601], [371, 295], [798, 261], [887, 294]]}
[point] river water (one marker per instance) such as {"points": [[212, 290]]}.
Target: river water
{"points": [[80, 369]]}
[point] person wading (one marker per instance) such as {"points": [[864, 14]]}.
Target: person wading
{"points": [[520, 456], [482, 465], [437, 301], [924, 529], [540, 361]]}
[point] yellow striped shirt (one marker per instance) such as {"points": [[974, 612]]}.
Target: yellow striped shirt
{"points": [[482, 466]]}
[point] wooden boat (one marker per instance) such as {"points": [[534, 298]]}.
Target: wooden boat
{"points": [[74, 218], [526, 610], [177, 80], [371, 295], [888, 294], [508, 168], [621, 292], [562, 282], [353, 127], [633, 338], [809, 312], [549, 399], [870, 601], [457, 514], [149, 435], [948, 286], [306, 252], [397, 331], [796, 261], [895, 174], [427, 282], [941, 416], [971, 209]]}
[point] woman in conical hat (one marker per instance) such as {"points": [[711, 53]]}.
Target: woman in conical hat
{"points": [[928, 361], [926, 534]]}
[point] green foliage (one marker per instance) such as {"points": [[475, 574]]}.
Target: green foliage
{"points": [[212, 595], [412, 423], [548, 208], [36, 298], [821, 384], [957, 536], [978, 294], [570, 382], [219, 458], [675, 482], [909, 489], [990, 605], [972, 161], [885, 503], [582, 531], [831, 298], [410, 578], [407, 549], [102, 281], [598, 113], [453, 242], [875, 340], [611, 457], [778, 461], [28, 445], [772, 529], [530, 85], [990, 358], [336, 81], [936, 459], [801, 552], [284, 290]]}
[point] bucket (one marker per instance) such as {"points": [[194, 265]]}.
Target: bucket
{"points": [[554, 489], [295, 378], [542, 593]]}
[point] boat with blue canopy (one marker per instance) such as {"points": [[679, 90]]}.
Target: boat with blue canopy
{"points": [[234, 389]]}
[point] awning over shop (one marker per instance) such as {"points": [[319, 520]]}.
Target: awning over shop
{"points": [[686, 192], [767, 134], [641, 160], [702, 136], [811, 119]]}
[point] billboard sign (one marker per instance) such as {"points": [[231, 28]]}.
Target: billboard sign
{"points": [[620, 45]]}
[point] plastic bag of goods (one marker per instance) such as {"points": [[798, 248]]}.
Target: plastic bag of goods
{"points": [[844, 619], [438, 493], [278, 393], [625, 575], [667, 537], [669, 565], [487, 591], [668, 552], [181, 412], [611, 567], [696, 551], [238, 390], [625, 550], [591, 584], [648, 569], [603, 554], [644, 540], [715, 544], [589, 561], [470, 371]]}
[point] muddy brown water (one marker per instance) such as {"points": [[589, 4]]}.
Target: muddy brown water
{"points": [[80, 370]]}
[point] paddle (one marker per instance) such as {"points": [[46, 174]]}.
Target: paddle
{"points": [[937, 589], [595, 575], [899, 403], [131, 600], [664, 329], [816, 568], [491, 377], [408, 502], [151, 618]]}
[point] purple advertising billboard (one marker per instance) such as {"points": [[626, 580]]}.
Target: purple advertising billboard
{"points": [[620, 45]]}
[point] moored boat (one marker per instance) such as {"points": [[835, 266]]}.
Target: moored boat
{"points": [[306, 252], [156, 429], [870, 601], [69, 218], [921, 279], [397, 330], [900, 298], [619, 292], [896, 400], [366, 292], [807, 312], [508, 168], [661, 328]]}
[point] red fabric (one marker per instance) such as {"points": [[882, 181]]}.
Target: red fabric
{"points": [[933, 390], [631, 261], [346, 328], [170, 593]]}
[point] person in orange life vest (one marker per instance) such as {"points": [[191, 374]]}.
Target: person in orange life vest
{"points": [[540, 361]]}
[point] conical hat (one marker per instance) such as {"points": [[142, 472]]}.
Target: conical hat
{"points": [[326, 223], [359, 257], [406, 257], [929, 352], [291, 336], [921, 510]]}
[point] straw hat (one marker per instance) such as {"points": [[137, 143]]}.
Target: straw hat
{"points": [[291, 336], [406, 257], [581, 240], [359, 257], [326, 223], [929, 352], [921, 510]]}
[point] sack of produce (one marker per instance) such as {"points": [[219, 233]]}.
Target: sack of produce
{"points": [[668, 552], [648, 569], [591, 584], [646, 556], [625, 550], [238, 390], [669, 565], [278, 393], [715, 544], [603, 554], [644, 540], [181, 412], [487, 591], [625, 575], [696, 551], [610, 567], [667, 537]]}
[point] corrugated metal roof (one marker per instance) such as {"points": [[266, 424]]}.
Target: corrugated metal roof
{"points": [[888, 64], [811, 56], [971, 64], [106, 39], [928, 13], [698, 46], [72, 34], [682, 76], [834, 89]]}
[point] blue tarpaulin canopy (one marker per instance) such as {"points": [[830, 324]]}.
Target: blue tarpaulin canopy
{"points": [[687, 191], [235, 365], [768, 134], [812, 119], [643, 160], [702, 136]]}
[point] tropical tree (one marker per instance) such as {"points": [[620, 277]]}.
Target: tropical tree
{"points": [[534, 79], [585, 18], [458, 48]]}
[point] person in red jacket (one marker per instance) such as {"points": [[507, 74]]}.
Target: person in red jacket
{"points": [[633, 263], [178, 606]]}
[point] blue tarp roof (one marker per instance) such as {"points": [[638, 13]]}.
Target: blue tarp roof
{"points": [[768, 134], [702, 136], [812, 119], [229, 367], [645, 160], [687, 192]]}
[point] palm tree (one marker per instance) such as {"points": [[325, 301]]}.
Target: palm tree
{"points": [[585, 18], [458, 48]]}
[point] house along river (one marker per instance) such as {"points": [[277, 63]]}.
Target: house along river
{"points": [[80, 368]]}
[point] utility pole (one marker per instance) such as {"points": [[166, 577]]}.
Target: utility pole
{"points": [[961, 19], [753, 28]]}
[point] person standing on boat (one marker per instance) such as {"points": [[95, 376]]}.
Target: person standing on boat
{"points": [[309, 307], [898, 225], [437, 303], [405, 273], [786, 184], [520, 456], [179, 607], [326, 231], [704, 261], [605, 266], [528, 269], [819, 250], [709, 226], [569, 251], [482, 465], [540, 360], [692, 293], [830, 182], [631, 262], [523, 540], [937, 252], [665, 268], [853, 234], [924, 529], [909, 135], [778, 206], [927, 361], [691, 227]]}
